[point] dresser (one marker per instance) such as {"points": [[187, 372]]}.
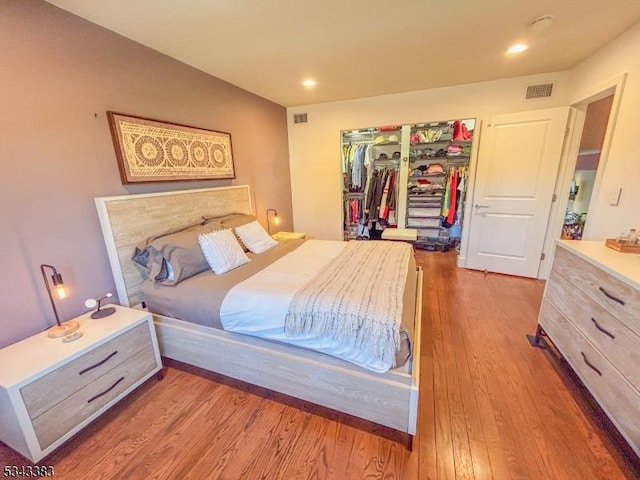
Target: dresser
{"points": [[591, 313], [50, 389]]}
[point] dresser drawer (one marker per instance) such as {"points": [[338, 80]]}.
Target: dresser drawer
{"points": [[616, 396], [618, 298], [44, 393], [612, 338], [72, 411]]}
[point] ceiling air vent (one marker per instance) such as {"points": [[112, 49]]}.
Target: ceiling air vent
{"points": [[542, 90], [299, 118]]}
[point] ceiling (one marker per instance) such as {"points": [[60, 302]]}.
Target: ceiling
{"points": [[362, 48]]}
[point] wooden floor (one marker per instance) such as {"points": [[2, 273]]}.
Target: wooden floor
{"points": [[491, 406]]}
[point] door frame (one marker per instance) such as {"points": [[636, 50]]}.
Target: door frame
{"points": [[579, 103]]}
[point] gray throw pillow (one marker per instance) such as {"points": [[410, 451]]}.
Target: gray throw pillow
{"points": [[178, 256], [141, 255]]}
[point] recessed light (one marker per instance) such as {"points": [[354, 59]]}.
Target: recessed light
{"points": [[542, 23], [309, 83], [517, 48]]}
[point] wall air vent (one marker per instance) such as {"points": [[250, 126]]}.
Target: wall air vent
{"points": [[299, 118], [542, 90]]}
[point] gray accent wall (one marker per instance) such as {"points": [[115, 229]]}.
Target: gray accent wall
{"points": [[59, 74]]}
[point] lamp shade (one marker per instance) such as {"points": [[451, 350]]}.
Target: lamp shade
{"points": [[276, 220]]}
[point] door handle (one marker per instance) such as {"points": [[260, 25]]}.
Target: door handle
{"points": [[477, 206]]}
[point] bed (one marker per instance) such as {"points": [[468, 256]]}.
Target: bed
{"points": [[387, 398]]}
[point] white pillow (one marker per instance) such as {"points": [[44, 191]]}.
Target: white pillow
{"points": [[255, 237], [222, 251]]}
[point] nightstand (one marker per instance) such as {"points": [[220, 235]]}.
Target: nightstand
{"points": [[53, 389], [288, 235]]}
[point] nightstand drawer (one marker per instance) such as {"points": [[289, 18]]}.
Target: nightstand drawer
{"points": [[616, 396], [618, 298], [614, 340], [46, 392], [63, 417]]}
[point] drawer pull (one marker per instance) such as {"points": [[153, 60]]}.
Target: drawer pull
{"points": [[584, 357], [97, 364], [606, 332], [95, 397], [611, 297]]}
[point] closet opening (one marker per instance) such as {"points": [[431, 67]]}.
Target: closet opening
{"points": [[587, 163], [407, 182]]}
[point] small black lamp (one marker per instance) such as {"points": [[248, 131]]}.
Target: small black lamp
{"points": [[276, 220], [61, 329]]}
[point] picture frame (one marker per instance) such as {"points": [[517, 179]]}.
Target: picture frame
{"points": [[149, 150]]}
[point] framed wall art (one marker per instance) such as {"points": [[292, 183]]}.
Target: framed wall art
{"points": [[150, 150]]}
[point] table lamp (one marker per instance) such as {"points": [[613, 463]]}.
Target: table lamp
{"points": [[61, 329], [276, 220]]}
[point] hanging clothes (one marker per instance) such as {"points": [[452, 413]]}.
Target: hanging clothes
{"points": [[462, 188], [357, 167], [380, 197], [374, 195], [388, 211], [384, 208], [447, 197], [453, 197]]}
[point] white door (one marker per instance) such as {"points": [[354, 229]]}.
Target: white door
{"points": [[516, 173]]}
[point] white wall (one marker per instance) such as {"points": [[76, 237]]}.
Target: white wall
{"points": [[59, 73], [622, 165], [314, 147]]}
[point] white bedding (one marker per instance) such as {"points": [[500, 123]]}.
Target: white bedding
{"points": [[259, 305]]}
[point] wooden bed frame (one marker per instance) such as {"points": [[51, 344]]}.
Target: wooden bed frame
{"points": [[389, 399]]}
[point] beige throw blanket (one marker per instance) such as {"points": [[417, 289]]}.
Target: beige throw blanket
{"points": [[356, 299]]}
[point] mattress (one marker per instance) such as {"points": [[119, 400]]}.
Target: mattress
{"points": [[199, 300]]}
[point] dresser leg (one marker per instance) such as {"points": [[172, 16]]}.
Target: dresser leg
{"points": [[536, 340], [160, 374]]}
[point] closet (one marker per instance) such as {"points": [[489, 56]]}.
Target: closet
{"points": [[371, 161], [407, 176]]}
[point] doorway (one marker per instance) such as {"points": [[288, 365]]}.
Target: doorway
{"points": [[584, 175]]}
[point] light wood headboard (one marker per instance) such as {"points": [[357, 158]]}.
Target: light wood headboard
{"points": [[128, 220]]}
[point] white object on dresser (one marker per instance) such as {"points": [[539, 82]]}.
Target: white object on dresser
{"points": [[591, 313], [53, 389], [288, 235]]}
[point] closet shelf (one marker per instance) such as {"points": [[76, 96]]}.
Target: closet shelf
{"points": [[384, 161], [448, 159], [424, 227], [428, 175], [425, 144], [358, 142]]}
